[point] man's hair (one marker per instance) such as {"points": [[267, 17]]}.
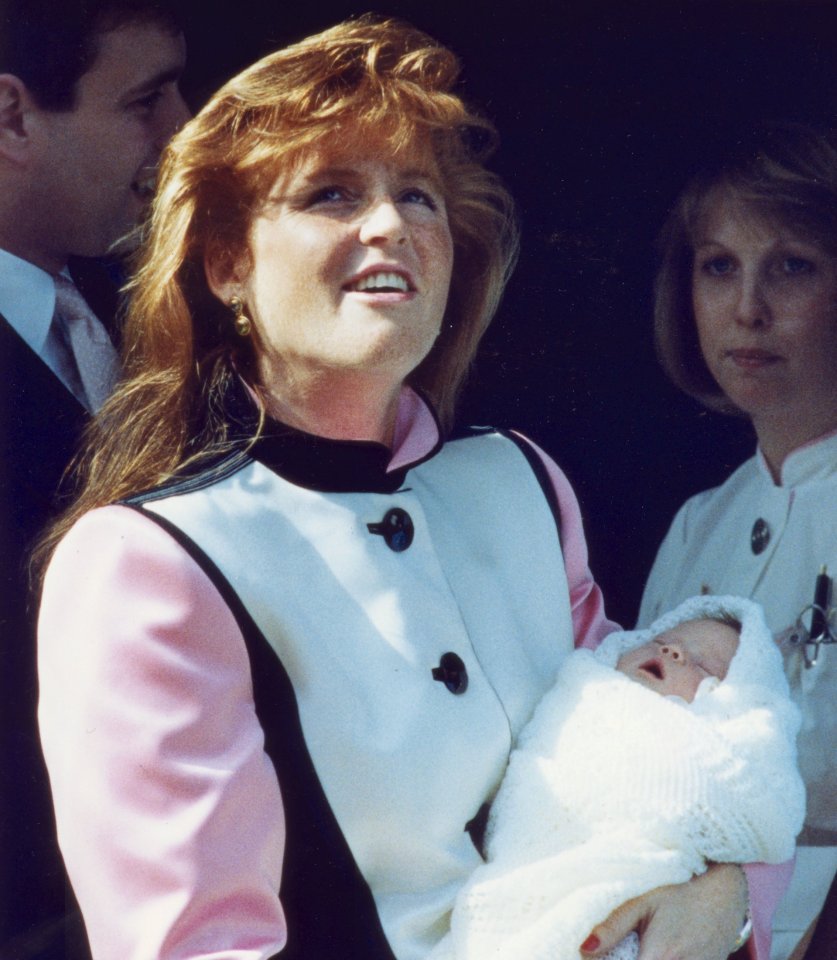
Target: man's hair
{"points": [[51, 44], [784, 174]]}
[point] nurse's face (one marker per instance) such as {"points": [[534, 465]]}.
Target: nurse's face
{"points": [[765, 304]]}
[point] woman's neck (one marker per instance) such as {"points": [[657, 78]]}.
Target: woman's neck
{"points": [[340, 408]]}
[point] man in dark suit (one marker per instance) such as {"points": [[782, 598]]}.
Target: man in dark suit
{"points": [[88, 99]]}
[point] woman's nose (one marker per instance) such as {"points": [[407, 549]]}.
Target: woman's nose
{"points": [[752, 308], [382, 223]]}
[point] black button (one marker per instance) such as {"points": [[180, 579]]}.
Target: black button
{"points": [[759, 536], [452, 673], [396, 528]]}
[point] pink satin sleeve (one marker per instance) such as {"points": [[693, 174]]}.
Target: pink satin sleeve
{"points": [[590, 623], [169, 812], [767, 882]]}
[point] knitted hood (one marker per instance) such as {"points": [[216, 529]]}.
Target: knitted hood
{"points": [[756, 673], [751, 707]]}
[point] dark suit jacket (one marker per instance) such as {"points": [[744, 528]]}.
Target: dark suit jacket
{"points": [[40, 423]]}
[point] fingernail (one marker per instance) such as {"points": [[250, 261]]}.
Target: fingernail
{"points": [[590, 944]]}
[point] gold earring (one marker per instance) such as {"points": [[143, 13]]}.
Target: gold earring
{"points": [[241, 321]]}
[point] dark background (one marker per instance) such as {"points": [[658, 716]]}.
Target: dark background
{"points": [[604, 110]]}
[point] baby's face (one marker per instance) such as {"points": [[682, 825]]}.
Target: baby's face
{"points": [[677, 661]]}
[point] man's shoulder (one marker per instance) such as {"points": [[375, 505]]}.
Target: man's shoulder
{"points": [[39, 418], [14, 355]]}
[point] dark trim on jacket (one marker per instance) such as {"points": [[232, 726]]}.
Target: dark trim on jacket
{"points": [[329, 908]]}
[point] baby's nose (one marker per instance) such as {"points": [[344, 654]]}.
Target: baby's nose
{"points": [[669, 650]]}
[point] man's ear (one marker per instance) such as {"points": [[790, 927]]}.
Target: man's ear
{"points": [[225, 273], [16, 106]]}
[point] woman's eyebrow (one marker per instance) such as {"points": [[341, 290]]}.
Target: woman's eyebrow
{"points": [[328, 173]]}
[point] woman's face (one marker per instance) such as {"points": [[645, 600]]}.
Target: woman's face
{"points": [[351, 265], [765, 303]]}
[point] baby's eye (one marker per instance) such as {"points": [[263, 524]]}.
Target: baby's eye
{"points": [[417, 195]]}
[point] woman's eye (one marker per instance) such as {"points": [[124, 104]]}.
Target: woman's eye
{"points": [[795, 265], [416, 195], [330, 194], [717, 266]]}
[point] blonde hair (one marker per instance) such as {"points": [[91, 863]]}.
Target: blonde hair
{"points": [[783, 173], [180, 351]]}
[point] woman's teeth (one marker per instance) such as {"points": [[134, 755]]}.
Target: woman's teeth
{"points": [[381, 281]]}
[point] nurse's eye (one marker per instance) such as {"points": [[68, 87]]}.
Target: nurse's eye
{"points": [[797, 265], [417, 195], [720, 266]]}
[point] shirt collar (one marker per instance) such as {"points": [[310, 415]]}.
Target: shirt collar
{"points": [[343, 466], [27, 299], [815, 460]]}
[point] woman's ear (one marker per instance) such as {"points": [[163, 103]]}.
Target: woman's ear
{"points": [[224, 273]]}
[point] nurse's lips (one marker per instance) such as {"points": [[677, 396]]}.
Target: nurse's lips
{"points": [[752, 359]]}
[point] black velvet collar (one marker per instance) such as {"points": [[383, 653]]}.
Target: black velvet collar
{"points": [[317, 463]]}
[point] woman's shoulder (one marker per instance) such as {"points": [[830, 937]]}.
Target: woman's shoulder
{"points": [[120, 550], [110, 530], [119, 586], [489, 448]]}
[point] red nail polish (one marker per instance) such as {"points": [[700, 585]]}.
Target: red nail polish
{"points": [[590, 944]]}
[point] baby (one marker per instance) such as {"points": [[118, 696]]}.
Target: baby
{"points": [[676, 662], [658, 752]]}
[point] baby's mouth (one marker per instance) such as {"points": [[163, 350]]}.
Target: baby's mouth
{"points": [[654, 668]]}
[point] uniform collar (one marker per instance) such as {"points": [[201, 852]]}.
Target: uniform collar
{"points": [[343, 466], [816, 460], [27, 299]]}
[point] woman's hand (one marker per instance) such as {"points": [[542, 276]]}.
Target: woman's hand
{"points": [[698, 920]]}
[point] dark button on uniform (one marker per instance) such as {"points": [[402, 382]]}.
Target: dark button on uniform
{"points": [[452, 673], [759, 536], [396, 528]]}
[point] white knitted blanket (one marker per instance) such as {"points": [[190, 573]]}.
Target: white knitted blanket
{"points": [[615, 790]]}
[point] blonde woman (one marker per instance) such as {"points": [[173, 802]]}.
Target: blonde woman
{"points": [[746, 322]]}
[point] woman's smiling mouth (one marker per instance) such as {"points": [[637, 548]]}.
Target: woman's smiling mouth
{"points": [[381, 280]]}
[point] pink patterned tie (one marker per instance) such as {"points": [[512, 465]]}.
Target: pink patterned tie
{"points": [[92, 349]]}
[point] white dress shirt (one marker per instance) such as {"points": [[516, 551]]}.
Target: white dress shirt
{"points": [[27, 301]]}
